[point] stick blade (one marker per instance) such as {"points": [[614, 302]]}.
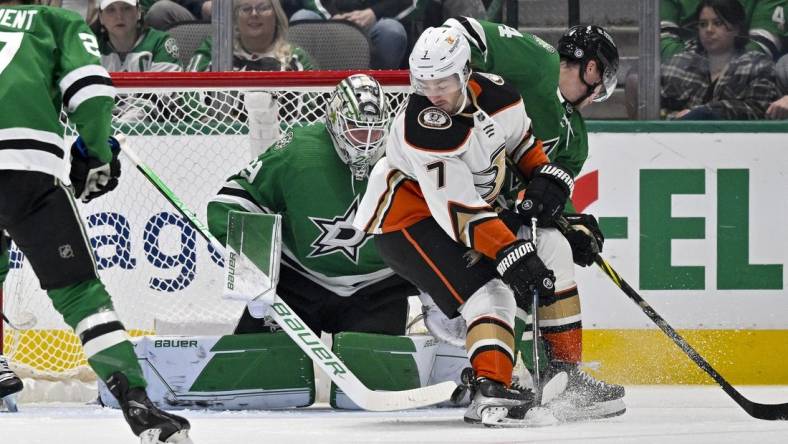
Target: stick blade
{"points": [[405, 399], [768, 412]]}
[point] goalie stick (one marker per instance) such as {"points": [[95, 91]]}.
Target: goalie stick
{"points": [[756, 410], [304, 337]]}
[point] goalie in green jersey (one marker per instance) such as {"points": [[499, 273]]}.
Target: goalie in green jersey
{"points": [[314, 176], [49, 61], [556, 83]]}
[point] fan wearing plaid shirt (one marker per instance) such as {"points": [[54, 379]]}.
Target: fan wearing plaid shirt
{"points": [[716, 78]]}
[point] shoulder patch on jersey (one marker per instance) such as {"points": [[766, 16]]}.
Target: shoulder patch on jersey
{"points": [[283, 141], [495, 78], [432, 129], [434, 118], [171, 46]]}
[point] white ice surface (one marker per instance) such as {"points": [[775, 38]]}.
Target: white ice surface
{"points": [[664, 415]]}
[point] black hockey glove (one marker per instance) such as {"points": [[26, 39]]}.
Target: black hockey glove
{"points": [[546, 194], [585, 237], [522, 270], [89, 176]]}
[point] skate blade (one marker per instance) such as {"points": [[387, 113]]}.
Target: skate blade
{"points": [[567, 411], [535, 417], [10, 403], [151, 436]]}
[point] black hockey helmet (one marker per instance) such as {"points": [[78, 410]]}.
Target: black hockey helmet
{"points": [[584, 43]]}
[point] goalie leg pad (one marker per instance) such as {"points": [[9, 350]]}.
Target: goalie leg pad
{"points": [[384, 362], [233, 372]]}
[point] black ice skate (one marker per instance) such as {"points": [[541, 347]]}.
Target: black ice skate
{"points": [[147, 421], [586, 397], [10, 385], [490, 400]]}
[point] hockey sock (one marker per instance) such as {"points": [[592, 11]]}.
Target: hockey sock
{"points": [[490, 345], [86, 307], [562, 328]]}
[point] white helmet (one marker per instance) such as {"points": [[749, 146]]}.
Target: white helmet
{"points": [[440, 53], [357, 118]]}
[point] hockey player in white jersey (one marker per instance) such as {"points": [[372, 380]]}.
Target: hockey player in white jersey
{"points": [[429, 200]]}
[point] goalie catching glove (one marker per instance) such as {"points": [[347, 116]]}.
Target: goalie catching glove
{"points": [[91, 177], [584, 237], [522, 270], [546, 194]]}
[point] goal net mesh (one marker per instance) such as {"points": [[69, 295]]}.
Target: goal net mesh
{"points": [[163, 278]]}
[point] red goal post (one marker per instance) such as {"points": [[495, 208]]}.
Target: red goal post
{"points": [[194, 130]]}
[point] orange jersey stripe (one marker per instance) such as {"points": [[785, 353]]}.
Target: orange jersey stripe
{"points": [[406, 208], [532, 159], [432, 265], [490, 236]]}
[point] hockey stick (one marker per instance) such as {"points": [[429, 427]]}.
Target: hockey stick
{"points": [[537, 374], [303, 336], [754, 409]]}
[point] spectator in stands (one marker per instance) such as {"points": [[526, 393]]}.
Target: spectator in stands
{"points": [[717, 77], [779, 108], [162, 14], [126, 44], [260, 42], [764, 19], [678, 24], [378, 18]]}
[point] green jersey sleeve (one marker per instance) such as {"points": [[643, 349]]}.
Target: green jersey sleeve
{"points": [[85, 86], [258, 188]]}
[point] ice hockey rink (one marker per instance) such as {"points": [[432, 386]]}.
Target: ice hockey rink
{"points": [[656, 414]]}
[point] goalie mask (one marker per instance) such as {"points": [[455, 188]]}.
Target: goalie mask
{"points": [[357, 118]]}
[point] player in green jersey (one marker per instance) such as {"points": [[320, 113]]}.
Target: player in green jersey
{"points": [[555, 85], [314, 176], [49, 60]]}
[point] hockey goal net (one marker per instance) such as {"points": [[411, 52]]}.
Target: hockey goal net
{"points": [[194, 130]]}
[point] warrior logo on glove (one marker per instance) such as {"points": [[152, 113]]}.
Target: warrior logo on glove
{"points": [[546, 194]]}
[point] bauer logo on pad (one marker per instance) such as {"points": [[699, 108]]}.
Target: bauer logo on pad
{"points": [[251, 268]]}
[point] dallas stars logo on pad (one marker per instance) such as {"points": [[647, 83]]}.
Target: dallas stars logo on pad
{"points": [[338, 234]]}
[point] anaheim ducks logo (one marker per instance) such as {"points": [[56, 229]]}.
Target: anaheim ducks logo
{"points": [[434, 118]]}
